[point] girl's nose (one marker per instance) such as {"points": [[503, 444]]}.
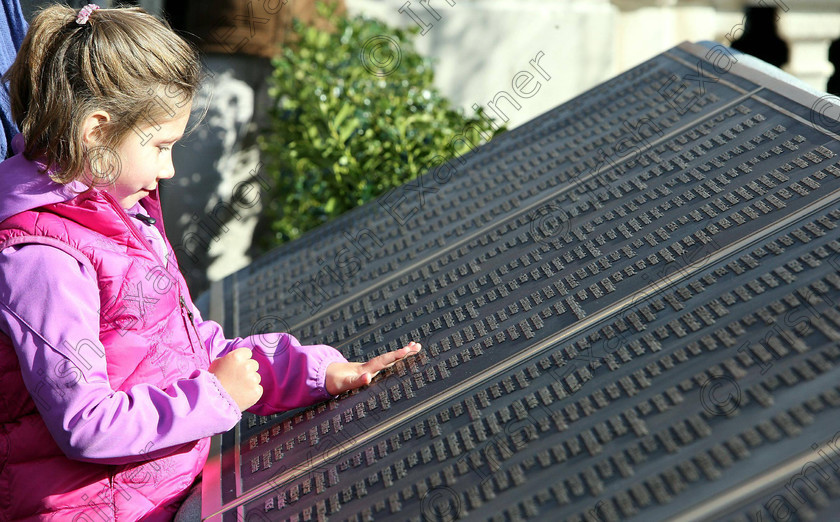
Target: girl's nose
{"points": [[167, 172]]}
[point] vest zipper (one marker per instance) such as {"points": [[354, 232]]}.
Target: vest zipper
{"points": [[189, 314], [121, 212], [184, 304], [127, 220], [191, 317]]}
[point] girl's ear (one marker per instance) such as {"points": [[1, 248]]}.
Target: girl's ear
{"points": [[92, 127]]}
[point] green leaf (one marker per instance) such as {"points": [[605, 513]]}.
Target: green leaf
{"points": [[345, 111], [348, 129], [330, 206]]}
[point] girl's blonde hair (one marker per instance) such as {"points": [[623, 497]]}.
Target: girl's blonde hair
{"points": [[123, 61]]}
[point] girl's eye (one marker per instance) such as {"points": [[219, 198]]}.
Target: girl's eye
{"points": [[163, 149]]}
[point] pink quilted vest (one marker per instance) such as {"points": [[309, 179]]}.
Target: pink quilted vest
{"points": [[149, 337]]}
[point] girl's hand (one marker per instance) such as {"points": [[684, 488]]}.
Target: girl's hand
{"points": [[342, 377], [237, 373]]}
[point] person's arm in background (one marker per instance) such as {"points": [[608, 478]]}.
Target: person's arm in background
{"points": [[13, 28]]}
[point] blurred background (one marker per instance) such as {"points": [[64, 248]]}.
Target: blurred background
{"points": [[243, 185]]}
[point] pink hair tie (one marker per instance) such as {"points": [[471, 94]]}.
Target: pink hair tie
{"points": [[85, 12]]}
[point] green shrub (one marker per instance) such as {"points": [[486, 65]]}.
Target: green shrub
{"points": [[342, 132]]}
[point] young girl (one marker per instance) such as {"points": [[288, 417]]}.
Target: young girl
{"points": [[110, 381]]}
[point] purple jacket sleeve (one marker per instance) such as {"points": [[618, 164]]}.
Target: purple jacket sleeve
{"points": [[49, 300], [292, 375]]}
